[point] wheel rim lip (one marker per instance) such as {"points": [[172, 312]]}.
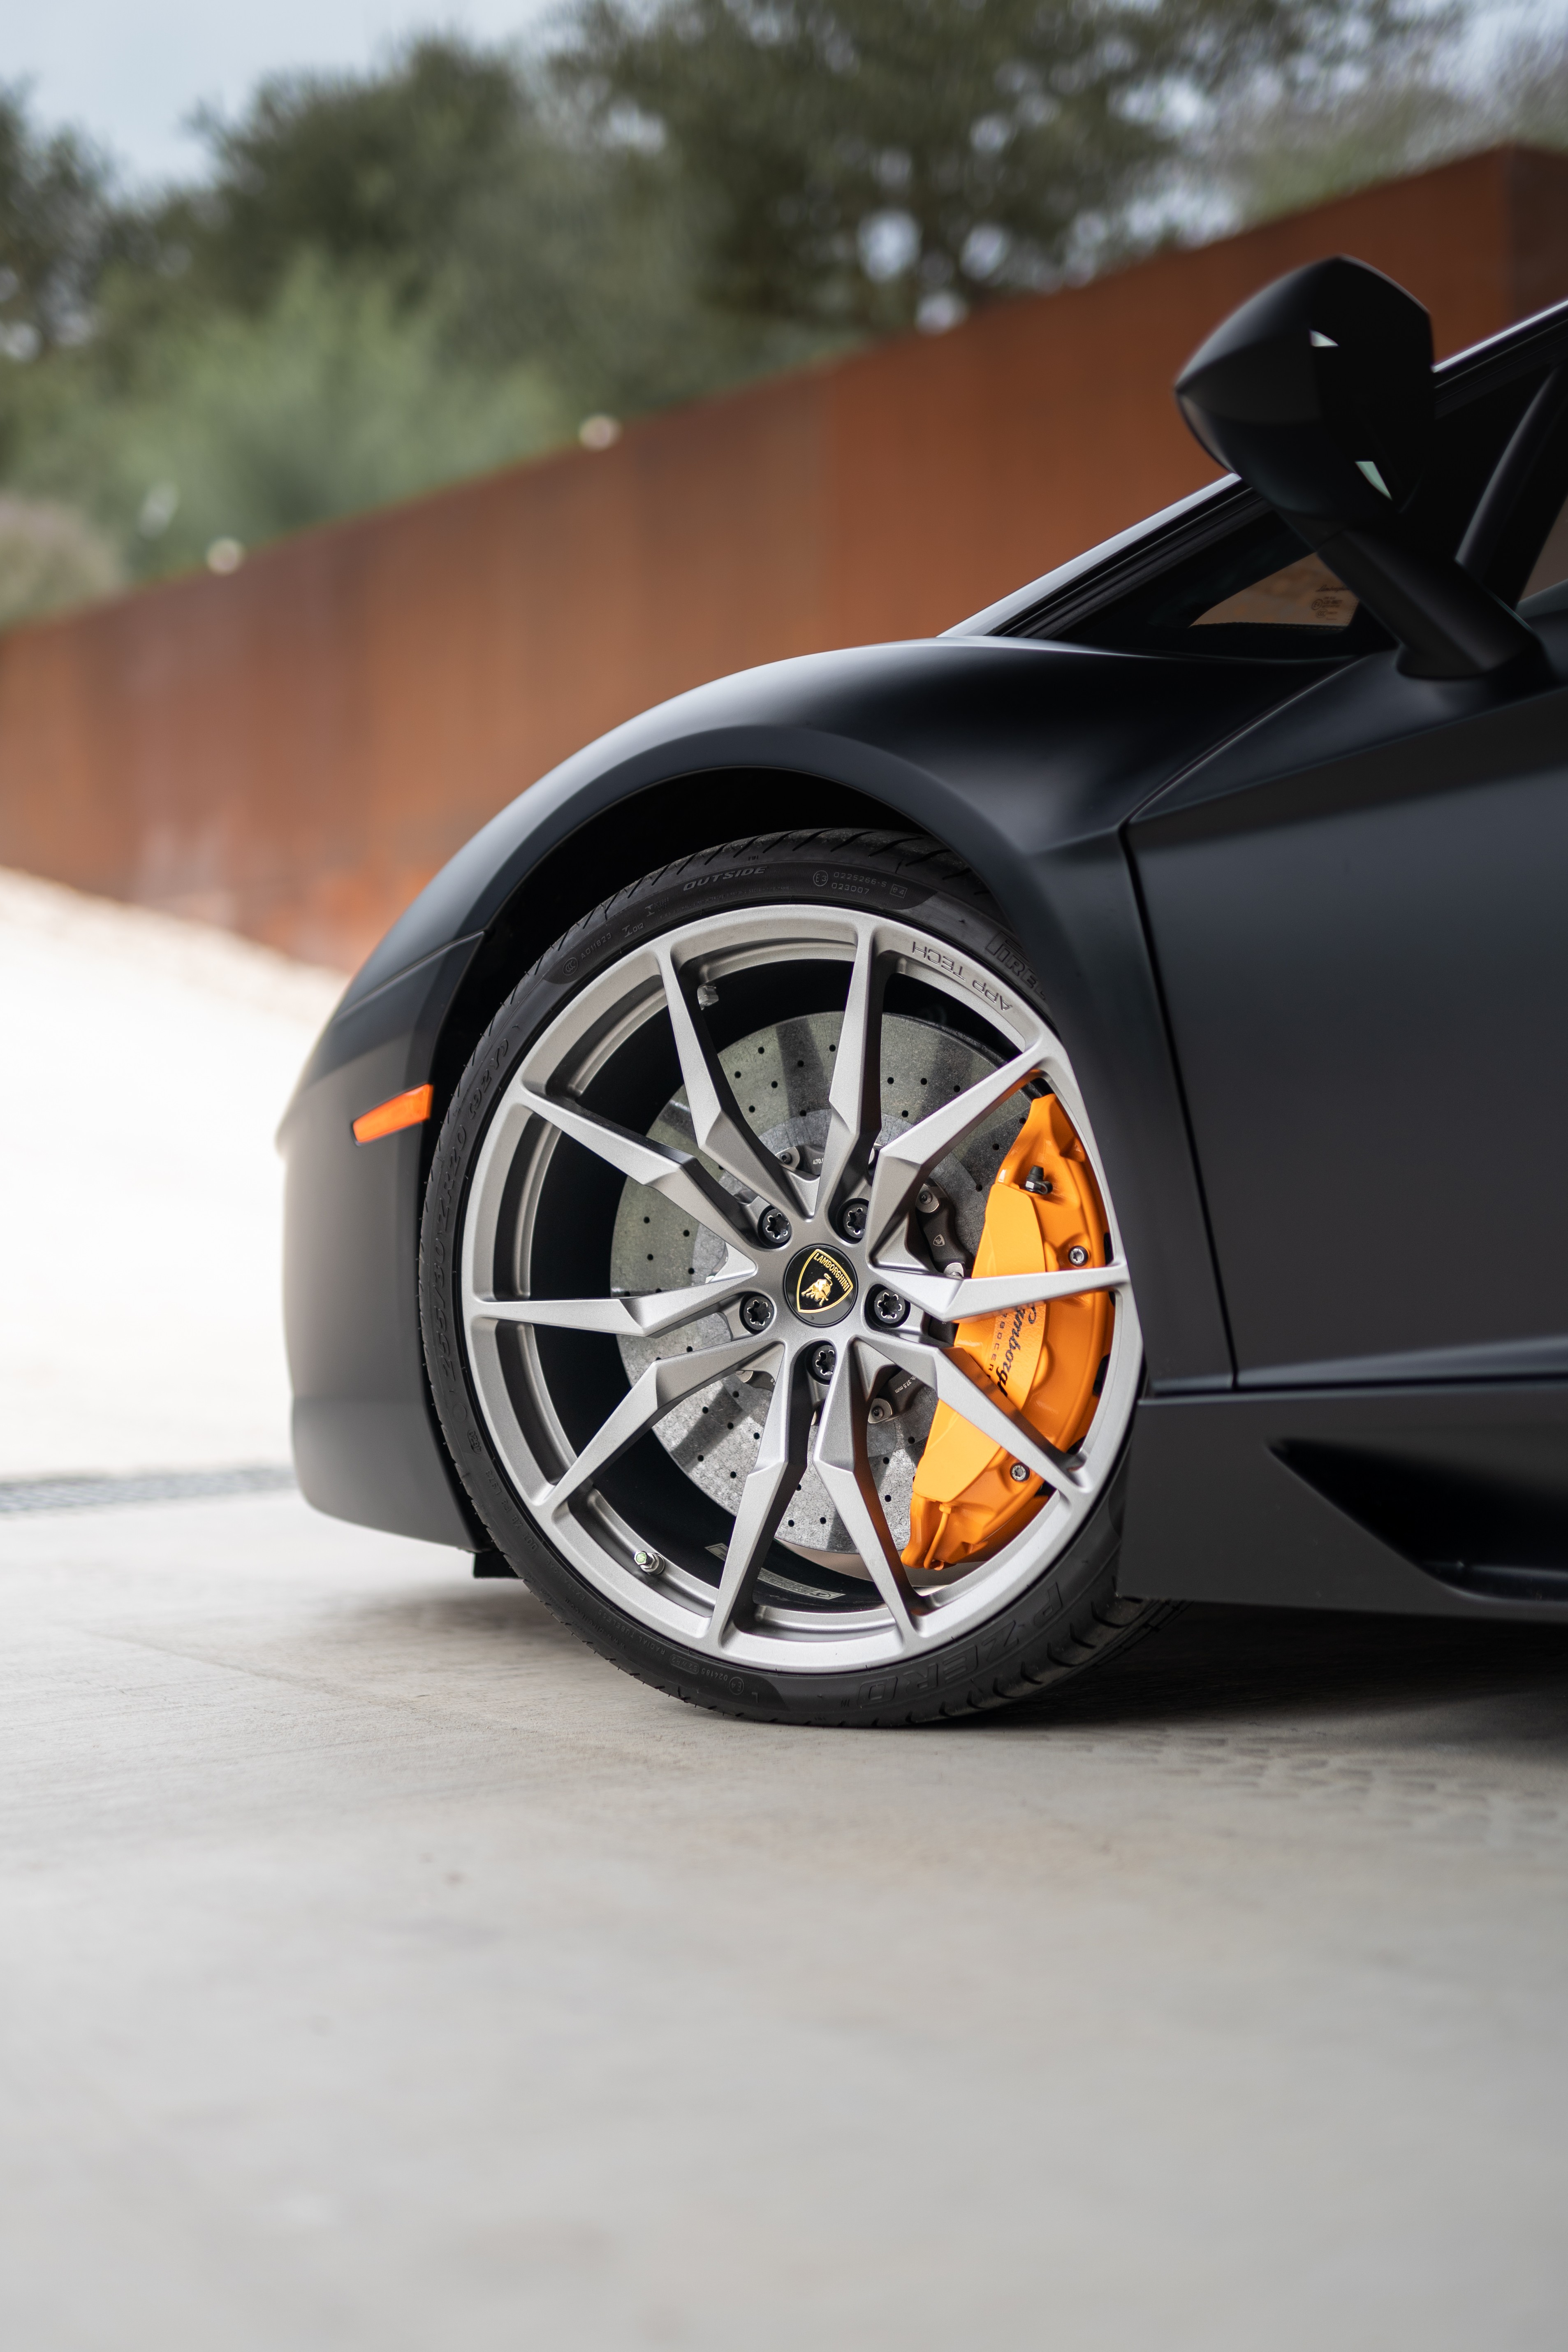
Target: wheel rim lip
{"points": [[582, 1035]]}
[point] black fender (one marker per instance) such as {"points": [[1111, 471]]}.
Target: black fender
{"points": [[1024, 758]]}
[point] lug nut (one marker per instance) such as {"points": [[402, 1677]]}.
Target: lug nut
{"points": [[887, 1309], [775, 1228], [756, 1312], [823, 1360], [1017, 1474], [1078, 1255], [852, 1223]]}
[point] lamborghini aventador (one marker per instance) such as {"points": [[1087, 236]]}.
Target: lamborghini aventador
{"points": [[876, 1181]]}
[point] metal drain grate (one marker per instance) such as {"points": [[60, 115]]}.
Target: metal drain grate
{"points": [[90, 1491]]}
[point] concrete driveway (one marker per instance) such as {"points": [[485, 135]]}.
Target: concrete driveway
{"points": [[381, 1969]]}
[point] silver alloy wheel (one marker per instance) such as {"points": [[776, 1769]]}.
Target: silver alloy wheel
{"points": [[730, 1187]]}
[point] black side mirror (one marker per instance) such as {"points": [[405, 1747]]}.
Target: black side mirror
{"points": [[1317, 392]]}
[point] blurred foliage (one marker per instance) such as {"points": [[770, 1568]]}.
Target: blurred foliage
{"points": [[51, 556], [58, 228], [1278, 150], [880, 163], [239, 426], [389, 281]]}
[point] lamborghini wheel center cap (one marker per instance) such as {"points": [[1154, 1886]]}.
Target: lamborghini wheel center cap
{"points": [[819, 1286]]}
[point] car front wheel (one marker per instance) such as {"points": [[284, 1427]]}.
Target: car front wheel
{"points": [[773, 1301]]}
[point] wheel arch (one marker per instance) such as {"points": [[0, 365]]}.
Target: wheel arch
{"points": [[681, 814]]}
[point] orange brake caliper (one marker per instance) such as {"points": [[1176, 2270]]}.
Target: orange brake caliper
{"points": [[1044, 1210]]}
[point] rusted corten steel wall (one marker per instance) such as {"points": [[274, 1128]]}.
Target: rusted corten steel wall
{"points": [[293, 749]]}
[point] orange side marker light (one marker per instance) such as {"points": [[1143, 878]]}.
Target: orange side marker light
{"points": [[411, 1109]]}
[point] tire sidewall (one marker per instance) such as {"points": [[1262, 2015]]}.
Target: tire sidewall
{"points": [[895, 878]]}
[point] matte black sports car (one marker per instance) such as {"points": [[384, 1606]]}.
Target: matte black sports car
{"points": [[876, 1179]]}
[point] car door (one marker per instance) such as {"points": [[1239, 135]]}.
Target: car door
{"points": [[1359, 912], [1365, 958]]}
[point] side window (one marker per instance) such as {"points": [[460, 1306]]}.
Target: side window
{"points": [[1257, 592], [1550, 566], [1259, 595], [1301, 595]]}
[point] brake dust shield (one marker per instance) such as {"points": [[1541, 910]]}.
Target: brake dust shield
{"points": [[1043, 1214]]}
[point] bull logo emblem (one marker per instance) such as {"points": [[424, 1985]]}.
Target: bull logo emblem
{"points": [[820, 1283]]}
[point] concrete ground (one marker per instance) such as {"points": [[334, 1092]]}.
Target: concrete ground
{"points": [[380, 1969]]}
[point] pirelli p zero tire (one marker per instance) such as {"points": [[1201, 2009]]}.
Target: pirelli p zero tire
{"points": [[697, 1282]]}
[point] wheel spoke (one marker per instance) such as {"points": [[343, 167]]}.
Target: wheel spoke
{"points": [[844, 1467], [683, 1181], [644, 1316], [904, 1158], [987, 1411], [951, 1302], [663, 1385], [853, 1101], [720, 1130], [764, 1497]]}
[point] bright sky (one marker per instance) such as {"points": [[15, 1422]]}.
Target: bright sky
{"points": [[130, 72]]}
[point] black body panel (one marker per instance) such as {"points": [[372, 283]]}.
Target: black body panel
{"points": [[365, 1446], [1437, 1501], [1366, 964]]}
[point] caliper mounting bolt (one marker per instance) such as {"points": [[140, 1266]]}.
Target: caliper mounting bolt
{"points": [[1017, 1474], [1077, 1254], [928, 1199]]}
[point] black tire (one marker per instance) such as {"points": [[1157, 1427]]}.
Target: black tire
{"points": [[1070, 1618]]}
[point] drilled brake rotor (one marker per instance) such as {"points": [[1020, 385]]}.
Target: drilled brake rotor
{"points": [[780, 1076]]}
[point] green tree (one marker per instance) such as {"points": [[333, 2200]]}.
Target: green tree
{"points": [[867, 163], [57, 224], [370, 169], [459, 177], [333, 400]]}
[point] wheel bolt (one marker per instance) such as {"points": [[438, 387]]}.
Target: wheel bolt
{"points": [[1017, 1474], [852, 1223], [823, 1360], [887, 1309], [775, 1228], [756, 1312], [1078, 1255]]}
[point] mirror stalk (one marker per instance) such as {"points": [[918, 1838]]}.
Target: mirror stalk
{"points": [[1447, 625]]}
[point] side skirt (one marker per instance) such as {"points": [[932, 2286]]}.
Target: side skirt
{"points": [[1427, 1501]]}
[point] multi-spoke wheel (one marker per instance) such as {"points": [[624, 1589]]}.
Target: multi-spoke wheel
{"points": [[750, 1367]]}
